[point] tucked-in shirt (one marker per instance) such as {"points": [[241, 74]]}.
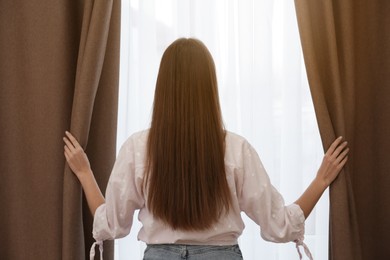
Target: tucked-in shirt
{"points": [[249, 184]]}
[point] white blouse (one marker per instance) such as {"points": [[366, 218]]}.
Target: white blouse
{"points": [[247, 179]]}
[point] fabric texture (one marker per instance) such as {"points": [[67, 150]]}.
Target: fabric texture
{"points": [[59, 69], [248, 181], [345, 46]]}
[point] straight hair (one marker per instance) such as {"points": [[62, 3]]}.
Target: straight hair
{"points": [[185, 174]]}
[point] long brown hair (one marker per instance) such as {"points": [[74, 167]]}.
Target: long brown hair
{"points": [[185, 174]]}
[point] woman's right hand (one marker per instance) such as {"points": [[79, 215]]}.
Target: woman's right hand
{"points": [[334, 160], [75, 156]]}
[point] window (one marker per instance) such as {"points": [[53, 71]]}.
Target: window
{"points": [[263, 91]]}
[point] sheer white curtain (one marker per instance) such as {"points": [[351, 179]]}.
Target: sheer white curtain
{"points": [[263, 91]]}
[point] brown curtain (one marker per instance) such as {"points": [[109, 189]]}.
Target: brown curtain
{"points": [[59, 70], [347, 55]]}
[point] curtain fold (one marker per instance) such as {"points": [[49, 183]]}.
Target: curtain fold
{"points": [[59, 70], [344, 45], [92, 54]]}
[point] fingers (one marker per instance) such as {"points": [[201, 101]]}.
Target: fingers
{"points": [[334, 145], [73, 140], [337, 152], [66, 156], [72, 147], [68, 144], [343, 162], [67, 150], [334, 160], [342, 155], [340, 148]]}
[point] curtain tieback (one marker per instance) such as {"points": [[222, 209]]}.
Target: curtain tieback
{"points": [[299, 243], [92, 252]]}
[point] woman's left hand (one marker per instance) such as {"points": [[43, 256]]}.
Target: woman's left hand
{"points": [[75, 156]]}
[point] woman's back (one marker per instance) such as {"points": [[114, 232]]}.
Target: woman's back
{"points": [[248, 184]]}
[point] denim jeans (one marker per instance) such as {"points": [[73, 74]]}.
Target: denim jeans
{"points": [[191, 252]]}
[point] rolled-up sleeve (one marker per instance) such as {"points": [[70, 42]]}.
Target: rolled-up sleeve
{"points": [[114, 218], [265, 205]]}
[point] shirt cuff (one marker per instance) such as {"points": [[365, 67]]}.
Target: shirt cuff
{"points": [[295, 209], [100, 225]]}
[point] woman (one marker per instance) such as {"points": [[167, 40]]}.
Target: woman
{"points": [[189, 177]]}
